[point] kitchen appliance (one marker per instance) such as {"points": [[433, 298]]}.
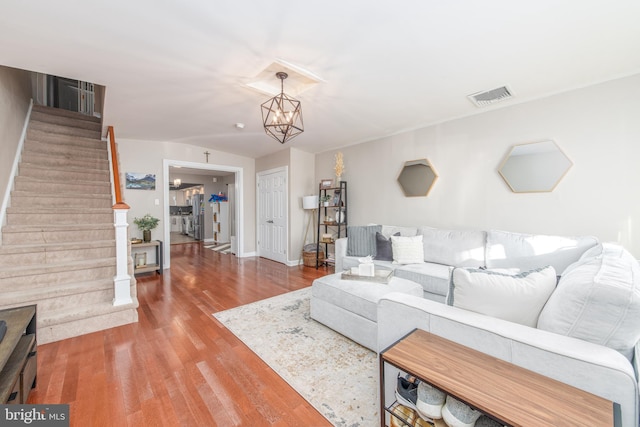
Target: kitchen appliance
{"points": [[197, 201], [187, 225]]}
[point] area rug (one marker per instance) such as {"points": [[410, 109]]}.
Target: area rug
{"points": [[334, 374], [224, 248]]}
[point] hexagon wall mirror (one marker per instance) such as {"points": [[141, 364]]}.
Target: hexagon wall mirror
{"points": [[417, 178], [535, 167]]}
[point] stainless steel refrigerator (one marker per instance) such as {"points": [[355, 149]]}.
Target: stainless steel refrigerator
{"points": [[197, 202]]}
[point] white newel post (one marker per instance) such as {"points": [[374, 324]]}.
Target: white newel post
{"points": [[122, 280]]}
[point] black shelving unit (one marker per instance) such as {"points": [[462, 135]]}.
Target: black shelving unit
{"points": [[332, 220]]}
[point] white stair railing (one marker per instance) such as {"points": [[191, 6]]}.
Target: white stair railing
{"points": [[122, 279]]}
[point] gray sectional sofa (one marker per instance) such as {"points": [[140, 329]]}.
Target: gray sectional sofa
{"points": [[587, 330]]}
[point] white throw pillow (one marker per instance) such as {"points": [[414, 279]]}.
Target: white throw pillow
{"points": [[407, 250], [598, 300], [517, 298]]}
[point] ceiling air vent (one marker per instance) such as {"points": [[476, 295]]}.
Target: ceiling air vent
{"points": [[488, 97]]}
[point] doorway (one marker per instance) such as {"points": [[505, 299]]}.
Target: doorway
{"points": [[272, 214], [203, 180]]}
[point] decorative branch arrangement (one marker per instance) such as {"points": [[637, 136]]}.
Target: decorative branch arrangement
{"points": [[339, 167]]}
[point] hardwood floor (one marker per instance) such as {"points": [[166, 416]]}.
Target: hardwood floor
{"points": [[178, 365]]}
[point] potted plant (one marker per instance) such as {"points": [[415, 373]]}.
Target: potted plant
{"points": [[325, 200], [146, 224]]}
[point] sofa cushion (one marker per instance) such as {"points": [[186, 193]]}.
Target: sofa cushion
{"points": [[390, 230], [527, 251], [458, 248], [434, 278], [407, 250], [517, 298], [359, 297], [362, 240], [598, 300], [384, 250]]}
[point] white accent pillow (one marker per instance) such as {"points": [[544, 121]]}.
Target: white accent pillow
{"points": [[517, 298], [598, 300], [407, 249]]}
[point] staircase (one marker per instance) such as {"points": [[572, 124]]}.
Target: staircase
{"points": [[58, 247]]}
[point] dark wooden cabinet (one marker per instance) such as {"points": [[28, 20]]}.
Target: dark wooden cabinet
{"points": [[18, 354]]}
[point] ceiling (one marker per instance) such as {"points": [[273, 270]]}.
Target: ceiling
{"points": [[176, 71]]}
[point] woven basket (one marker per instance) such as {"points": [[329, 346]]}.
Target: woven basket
{"points": [[309, 258]]}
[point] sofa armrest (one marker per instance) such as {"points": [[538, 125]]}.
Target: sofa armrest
{"points": [[341, 252], [594, 368]]}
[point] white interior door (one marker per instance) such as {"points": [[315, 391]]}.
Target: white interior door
{"points": [[272, 214]]}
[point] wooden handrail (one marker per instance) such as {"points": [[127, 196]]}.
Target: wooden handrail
{"points": [[116, 173]]}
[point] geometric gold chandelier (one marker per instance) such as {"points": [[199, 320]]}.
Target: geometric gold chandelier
{"points": [[282, 115]]}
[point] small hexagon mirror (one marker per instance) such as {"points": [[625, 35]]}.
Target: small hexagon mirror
{"points": [[417, 178], [534, 168]]}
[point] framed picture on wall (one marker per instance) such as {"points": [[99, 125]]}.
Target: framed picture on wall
{"points": [[140, 181], [326, 183]]}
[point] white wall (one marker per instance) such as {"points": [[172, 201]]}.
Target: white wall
{"points": [[15, 95], [301, 184], [147, 157], [597, 127]]}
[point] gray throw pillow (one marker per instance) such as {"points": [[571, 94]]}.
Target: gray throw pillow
{"points": [[362, 240], [384, 250]]}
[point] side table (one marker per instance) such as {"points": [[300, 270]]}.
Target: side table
{"points": [[506, 392], [145, 267]]}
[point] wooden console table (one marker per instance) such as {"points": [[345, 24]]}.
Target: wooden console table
{"points": [[147, 267], [506, 392]]}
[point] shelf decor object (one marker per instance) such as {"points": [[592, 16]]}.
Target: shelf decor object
{"points": [[282, 115], [339, 166], [379, 275], [146, 224]]}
